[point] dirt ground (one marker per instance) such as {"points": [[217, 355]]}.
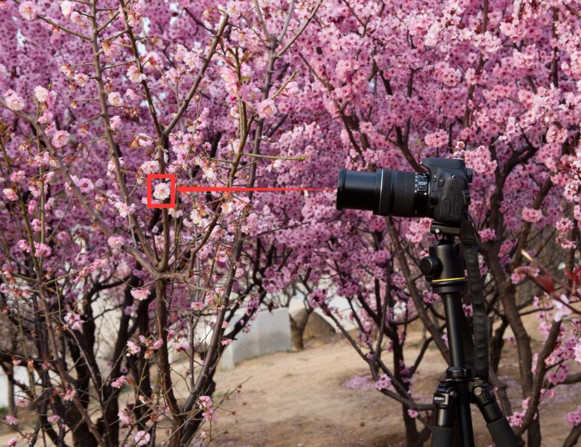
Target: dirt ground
{"points": [[320, 397]]}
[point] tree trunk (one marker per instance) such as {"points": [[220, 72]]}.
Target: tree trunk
{"points": [[298, 326], [412, 436], [534, 434], [11, 394]]}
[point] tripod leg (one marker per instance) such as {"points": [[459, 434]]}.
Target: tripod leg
{"points": [[498, 426], [444, 401]]}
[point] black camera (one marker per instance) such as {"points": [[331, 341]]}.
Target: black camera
{"points": [[441, 194]]}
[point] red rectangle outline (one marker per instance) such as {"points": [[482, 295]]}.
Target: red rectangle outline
{"points": [[172, 187]]}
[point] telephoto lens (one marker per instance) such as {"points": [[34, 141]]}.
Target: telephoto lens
{"points": [[385, 192]]}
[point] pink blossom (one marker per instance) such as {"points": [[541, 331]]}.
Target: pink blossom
{"points": [[134, 75], [31, 207], [133, 348], [412, 413], [205, 401], [115, 242], [140, 294], [46, 118], [564, 225], [42, 249], [13, 101], [69, 394], [345, 68], [40, 93], [17, 176], [141, 140], [150, 167], [10, 194], [383, 383], [119, 382], [23, 246], [63, 237], [60, 138], [531, 215], [436, 139], [162, 191], [12, 442], [66, 70], [231, 81], [123, 269], [53, 418], [516, 277], [36, 225], [556, 135], [226, 341], [152, 61], [66, 8], [86, 185], [516, 419], [266, 108], [142, 438], [574, 417], [480, 160], [11, 420], [115, 99], [486, 235], [115, 122], [27, 10], [77, 18], [125, 416], [124, 209], [74, 321], [81, 79]]}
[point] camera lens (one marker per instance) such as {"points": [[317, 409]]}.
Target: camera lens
{"points": [[384, 192], [358, 190]]}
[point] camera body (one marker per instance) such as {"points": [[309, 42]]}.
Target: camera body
{"points": [[442, 194]]}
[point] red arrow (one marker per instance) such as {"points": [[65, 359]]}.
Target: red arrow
{"points": [[244, 188]]}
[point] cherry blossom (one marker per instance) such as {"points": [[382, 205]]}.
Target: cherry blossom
{"points": [[162, 191], [27, 10], [13, 101], [60, 138], [66, 8], [115, 99], [40, 93], [142, 438]]}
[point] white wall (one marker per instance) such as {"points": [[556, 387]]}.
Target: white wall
{"points": [[270, 333], [21, 375]]}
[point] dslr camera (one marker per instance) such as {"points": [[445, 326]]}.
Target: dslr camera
{"points": [[442, 194]]}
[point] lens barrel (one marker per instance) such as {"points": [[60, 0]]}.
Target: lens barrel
{"points": [[358, 190], [385, 192]]}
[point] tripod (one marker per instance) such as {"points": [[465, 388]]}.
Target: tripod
{"points": [[444, 269]]}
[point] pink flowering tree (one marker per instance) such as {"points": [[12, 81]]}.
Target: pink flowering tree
{"points": [[94, 97], [387, 84]]}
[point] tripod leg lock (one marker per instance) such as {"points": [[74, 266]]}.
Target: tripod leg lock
{"points": [[497, 424], [484, 398], [444, 401]]}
